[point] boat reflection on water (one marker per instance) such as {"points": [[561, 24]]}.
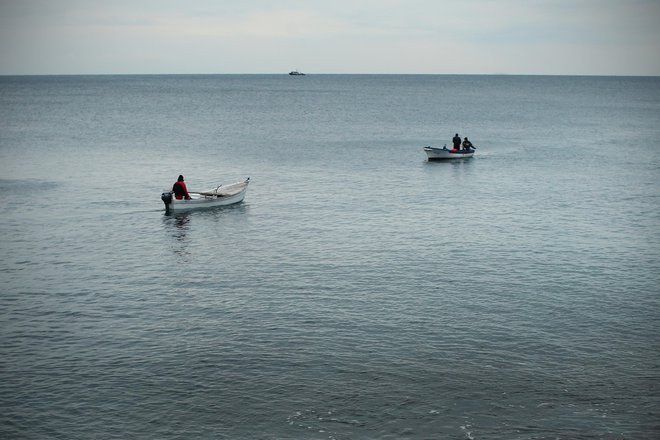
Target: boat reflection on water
{"points": [[183, 227], [177, 225], [181, 221]]}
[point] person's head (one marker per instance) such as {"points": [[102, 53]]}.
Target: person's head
{"points": [[466, 138], [456, 134], [180, 179]]}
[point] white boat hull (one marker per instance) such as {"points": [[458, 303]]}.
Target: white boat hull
{"points": [[221, 196], [443, 153]]}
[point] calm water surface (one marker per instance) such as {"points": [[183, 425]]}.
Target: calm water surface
{"points": [[360, 291]]}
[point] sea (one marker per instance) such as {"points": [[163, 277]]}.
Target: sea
{"points": [[359, 291]]}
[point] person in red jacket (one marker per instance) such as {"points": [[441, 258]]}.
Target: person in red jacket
{"points": [[179, 189]]}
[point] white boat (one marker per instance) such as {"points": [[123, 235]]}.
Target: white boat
{"points": [[219, 196], [435, 153], [296, 73]]}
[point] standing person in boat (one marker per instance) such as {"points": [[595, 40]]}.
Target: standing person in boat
{"points": [[457, 142], [467, 145], [179, 189]]}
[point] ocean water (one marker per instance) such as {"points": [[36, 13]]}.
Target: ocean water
{"points": [[359, 291]]}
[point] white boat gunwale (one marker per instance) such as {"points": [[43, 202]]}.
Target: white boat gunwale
{"points": [[435, 153]]}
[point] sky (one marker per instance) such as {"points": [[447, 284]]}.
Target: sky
{"points": [[550, 37]]}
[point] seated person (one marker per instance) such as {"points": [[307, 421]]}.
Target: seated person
{"points": [[179, 189]]}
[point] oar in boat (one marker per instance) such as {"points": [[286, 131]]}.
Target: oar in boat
{"points": [[208, 193]]}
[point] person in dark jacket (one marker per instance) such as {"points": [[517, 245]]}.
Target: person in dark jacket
{"points": [[467, 145], [179, 189], [457, 142]]}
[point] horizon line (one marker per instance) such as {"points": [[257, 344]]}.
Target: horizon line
{"points": [[328, 74]]}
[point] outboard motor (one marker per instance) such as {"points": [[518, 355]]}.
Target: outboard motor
{"points": [[166, 197]]}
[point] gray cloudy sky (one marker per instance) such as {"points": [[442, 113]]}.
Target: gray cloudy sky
{"points": [[575, 37]]}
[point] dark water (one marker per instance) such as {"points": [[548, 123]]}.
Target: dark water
{"points": [[359, 292]]}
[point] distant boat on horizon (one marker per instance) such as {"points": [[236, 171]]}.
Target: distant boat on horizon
{"points": [[296, 73]]}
